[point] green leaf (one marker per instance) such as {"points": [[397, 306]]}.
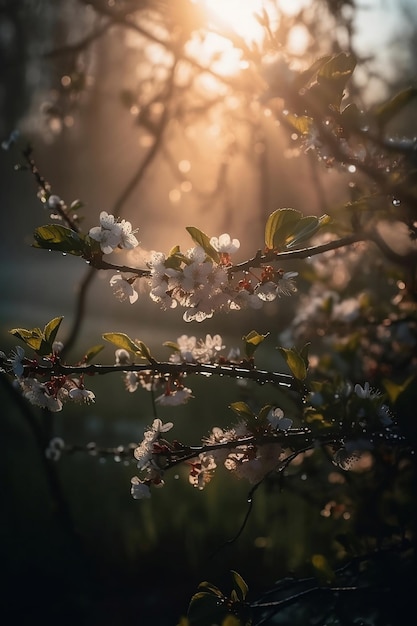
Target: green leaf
{"points": [[301, 123], [280, 224], [202, 240], [175, 258], [210, 588], [262, 415], [304, 78], [338, 68], [351, 117], [394, 390], [242, 410], [304, 353], [92, 352], [239, 586], [386, 111], [121, 340], [32, 338], [172, 345], [206, 609], [324, 571], [252, 341], [61, 238], [295, 363], [332, 78], [51, 329], [305, 228], [40, 341], [145, 352]]}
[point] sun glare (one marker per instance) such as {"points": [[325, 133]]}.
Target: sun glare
{"points": [[238, 15], [225, 17]]}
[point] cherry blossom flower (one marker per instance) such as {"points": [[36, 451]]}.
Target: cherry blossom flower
{"points": [[37, 393], [131, 380], [143, 452], [16, 360], [225, 244], [186, 350], [217, 436], [79, 394], [243, 299], [202, 471], [277, 420], [55, 448], [286, 285], [365, 391], [122, 357], [195, 275], [54, 202], [123, 289], [108, 234], [175, 398], [267, 292], [127, 237], [139, 489], [256, 465]]}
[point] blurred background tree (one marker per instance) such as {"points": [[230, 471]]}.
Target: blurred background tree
{"points": [[171, 113]]}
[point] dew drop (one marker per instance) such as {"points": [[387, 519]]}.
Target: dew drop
{"points": [[396, 202]]}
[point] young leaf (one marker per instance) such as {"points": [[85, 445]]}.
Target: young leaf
{"points": [[121, 340], [279, 225], [305, 77], [301, 123], [263, 413], [304, 353], [324, 571], [202, 240], [386, 111], [32, 338], [92, 352], [333, 76], [242, 410], [206, 609], [239, 586], [210, 588], [295, 362], [175, 258], [61, 238], [172, 345], [252, 341], [394, 389], [305, 228], [144, 351], [51, 329]]}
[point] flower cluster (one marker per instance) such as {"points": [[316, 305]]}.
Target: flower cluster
{"points": [[149, 458], [249, 455], [201, 285], [113, 234], [55, 392], [51, 394], [186, 350]]}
